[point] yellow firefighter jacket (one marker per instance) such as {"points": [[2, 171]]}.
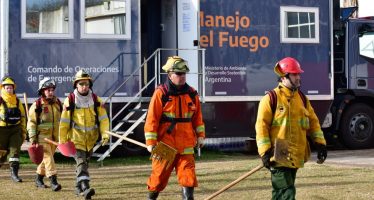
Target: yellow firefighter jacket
{"points": [[49, 121], [84, 131], [291, 122], [23, 116]]}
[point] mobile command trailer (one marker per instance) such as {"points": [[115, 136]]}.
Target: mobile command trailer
{"points": [[242, 41]]}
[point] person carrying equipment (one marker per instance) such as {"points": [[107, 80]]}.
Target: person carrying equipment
{"points": [[83, 119], [43, 122], [284, 121], [174, 121]]}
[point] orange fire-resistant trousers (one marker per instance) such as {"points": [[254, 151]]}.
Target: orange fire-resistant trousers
{"points": [[184, 167]]}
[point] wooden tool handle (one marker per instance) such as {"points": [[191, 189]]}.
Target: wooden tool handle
{"points": [[51, 141], [26, 105], [127, 139], [235, 182]]}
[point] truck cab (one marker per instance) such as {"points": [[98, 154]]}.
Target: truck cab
{"points": [[353, 107]]}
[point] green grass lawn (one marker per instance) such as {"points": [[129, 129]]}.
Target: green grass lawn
{"points": [[125, 178]]}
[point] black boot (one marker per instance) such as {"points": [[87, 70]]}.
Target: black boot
{"points": [[14, 166], [78, 189], [187, 193], [39, 181], [54, 185], [87, 191], [152, 195]]}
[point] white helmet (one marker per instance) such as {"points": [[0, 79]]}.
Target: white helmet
{"points": [[46, 83]]}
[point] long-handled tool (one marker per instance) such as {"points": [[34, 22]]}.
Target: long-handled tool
{"points": [[162, 152], [235, 182], [67, 149], [26, 104], [127, 139]]}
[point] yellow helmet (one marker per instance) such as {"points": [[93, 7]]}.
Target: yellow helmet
{"points": [[7, 80], [176, 64], [82, 75]]}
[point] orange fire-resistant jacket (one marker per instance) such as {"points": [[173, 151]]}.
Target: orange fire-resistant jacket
{"points": [[183, 135]]}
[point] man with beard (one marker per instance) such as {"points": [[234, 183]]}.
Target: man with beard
{"points": [[284, 121]]}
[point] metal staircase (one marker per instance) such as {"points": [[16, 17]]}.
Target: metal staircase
{"points": [[136, 115]]}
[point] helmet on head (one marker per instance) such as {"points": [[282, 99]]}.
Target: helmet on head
{"points": [[82, 75], [46, 83], [7, 80], [286, 66], [176, 64]]}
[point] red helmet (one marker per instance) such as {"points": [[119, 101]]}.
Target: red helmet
{"points": [[286, 66]]}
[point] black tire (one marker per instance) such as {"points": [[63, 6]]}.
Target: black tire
{"points": [[357, 126]]}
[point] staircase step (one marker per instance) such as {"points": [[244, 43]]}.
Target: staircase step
{"points": [[138, 110], [98, 155], [130, 121]]}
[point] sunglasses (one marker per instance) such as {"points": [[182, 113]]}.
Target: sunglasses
{"points": [[180, 73], [84, 84]]}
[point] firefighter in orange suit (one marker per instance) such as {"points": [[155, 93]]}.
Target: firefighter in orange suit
{"points": [[43, 122], [174, 117]]}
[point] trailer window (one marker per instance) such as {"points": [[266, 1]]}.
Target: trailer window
{"points": [[47, 19], [299, 24], [106, 19]]}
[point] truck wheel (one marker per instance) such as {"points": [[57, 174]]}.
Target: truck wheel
{"points": [[358, 126]]}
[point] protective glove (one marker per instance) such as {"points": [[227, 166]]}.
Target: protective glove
{"points": [[150, 148], [34, 139], [266, 159], [321, 153], [104, 140], [200, 142]]}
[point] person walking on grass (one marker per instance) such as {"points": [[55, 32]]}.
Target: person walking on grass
{"points": [[12, 126], [83, 120], [285, 120], [174, 118], [43, 122]]}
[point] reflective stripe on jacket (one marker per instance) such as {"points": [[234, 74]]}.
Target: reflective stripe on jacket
{"points": [[84, 131], [291, 122], [49, 121], [183, 135]]}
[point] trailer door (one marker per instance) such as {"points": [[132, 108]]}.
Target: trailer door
{"points": [[180, 30], [188, 32]]}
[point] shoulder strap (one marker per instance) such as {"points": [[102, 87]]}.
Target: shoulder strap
{"points": [[38, 110], [71, 107], [273, 100], [165, 93], [303, 98], [96, 105], [192, 92], [59, 104]]}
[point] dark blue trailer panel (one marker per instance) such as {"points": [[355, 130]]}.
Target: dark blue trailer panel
{"points": [[109, 61], [243, 42]]}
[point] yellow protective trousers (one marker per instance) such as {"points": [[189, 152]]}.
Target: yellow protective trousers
{"points": [[47, 167], [184, 167]]}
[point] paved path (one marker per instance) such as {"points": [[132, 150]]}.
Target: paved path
{"points": [[351, 157]]}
